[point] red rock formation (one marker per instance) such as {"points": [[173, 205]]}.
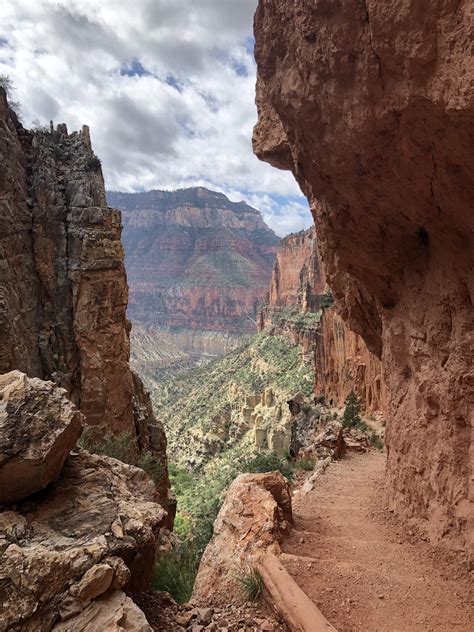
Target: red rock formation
{"points": [[195, 260], [63, 288], [371, 105], [297, 277], [343, 362], [341, 358]]}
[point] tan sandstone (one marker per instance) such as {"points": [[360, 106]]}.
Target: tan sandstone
{"points": [[38, 428]]}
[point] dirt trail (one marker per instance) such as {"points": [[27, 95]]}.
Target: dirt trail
{"points": [[369, 572]]}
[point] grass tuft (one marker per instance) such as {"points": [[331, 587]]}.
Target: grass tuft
{"points": [[251, 584]]}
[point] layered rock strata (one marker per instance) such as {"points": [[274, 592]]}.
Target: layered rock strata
{"points": [[343, 362], [299, 307], [89, 534], [197, 262], [371, 106], [63, 287]]}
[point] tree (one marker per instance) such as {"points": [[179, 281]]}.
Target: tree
{"points": [[351, 415], [7, 84]]}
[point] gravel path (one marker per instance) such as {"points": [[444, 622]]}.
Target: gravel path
{"points": [[368, 571]]}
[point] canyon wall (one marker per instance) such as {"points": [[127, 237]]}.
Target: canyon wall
{"points": [[297, 277], [300, 307], [343, 362], [63, 287], [371, 106]]}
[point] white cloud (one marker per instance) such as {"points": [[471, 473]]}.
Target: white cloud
{"points": [[186, 119]]}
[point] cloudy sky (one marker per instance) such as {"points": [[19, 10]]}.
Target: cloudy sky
{"points": [[167, 87]]}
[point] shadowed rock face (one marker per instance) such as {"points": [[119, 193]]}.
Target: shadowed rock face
{"points": [[371, 106], [63, 287]]}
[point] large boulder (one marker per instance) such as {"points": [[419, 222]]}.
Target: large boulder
{"points": [[256, 513], [87, 535], [114, 612], [38, 428]]}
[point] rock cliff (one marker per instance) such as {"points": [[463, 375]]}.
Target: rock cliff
{"points": [[63, 287], [371, 106], [297, 277], [300, 307], [196, 263]]}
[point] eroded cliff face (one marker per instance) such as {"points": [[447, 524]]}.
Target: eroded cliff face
{"points": [[371, 106], [63, 288], [297, 276], [343, 362], [195, 259]]}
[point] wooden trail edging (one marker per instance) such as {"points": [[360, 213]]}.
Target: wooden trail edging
{"points": [[284, 595]]}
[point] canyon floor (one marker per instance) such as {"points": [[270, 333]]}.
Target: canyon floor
{"points": [[367, 571]]}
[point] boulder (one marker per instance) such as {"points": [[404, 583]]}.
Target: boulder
{"points": [[256, 513], [90, 533], [38, 428], [114, 612]]}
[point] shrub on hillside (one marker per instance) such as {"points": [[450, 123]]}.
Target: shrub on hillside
{"points": [[267, 461], [122, 448], [351, 417]]}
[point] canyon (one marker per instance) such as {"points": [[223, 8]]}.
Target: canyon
{"points": [[198, 266], [370, 105]]}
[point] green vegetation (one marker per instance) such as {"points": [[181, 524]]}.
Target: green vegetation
{"points": [[7, 84], [267, 461], [123, 448], [326, 300], [251, 583], [306, 464], [351, 417], [375, 441], [176, 570], [196, 405], [300, 320]]}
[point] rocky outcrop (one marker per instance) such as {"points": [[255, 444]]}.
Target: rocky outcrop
{"points": [[343, 362], [113, 612], [299, 308], [298, 278], [63, 288], [38, 429], [297, 287], [196, 262], [89, 534], [254, 516], [371, 105]]}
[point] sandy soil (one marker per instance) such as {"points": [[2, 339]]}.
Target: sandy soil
{"points": [[368, 571]]}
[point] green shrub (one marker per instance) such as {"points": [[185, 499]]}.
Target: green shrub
{"points": [[176, 570], [351, 417], [376, 441], [123, 448], [320, 399], [93, 164], [306, 464], [251, 583], [326, 300], [267, 461]]}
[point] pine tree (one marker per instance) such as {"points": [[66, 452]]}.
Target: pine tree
{"points": [[351, 415]]}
